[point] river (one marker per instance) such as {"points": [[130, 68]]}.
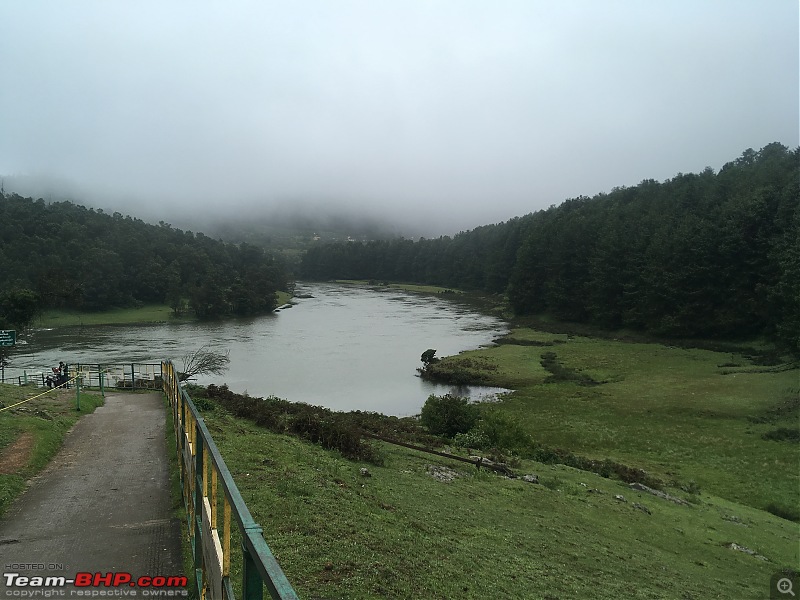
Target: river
{"points": [[341, 346]]}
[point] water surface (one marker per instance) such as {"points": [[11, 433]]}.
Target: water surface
{"points": [[346, 347]]}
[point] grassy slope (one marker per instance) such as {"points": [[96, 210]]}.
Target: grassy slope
{"points": [[401, 534], [48, 433]]}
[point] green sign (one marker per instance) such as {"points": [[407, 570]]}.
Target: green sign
{"points": [[8, 337]]}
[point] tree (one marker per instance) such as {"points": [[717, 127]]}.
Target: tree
{"points": [[204, 361], [448, 415], [18, 307], [428, 357]]}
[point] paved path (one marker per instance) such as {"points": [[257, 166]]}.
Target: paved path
{"points": [[103, 504]]}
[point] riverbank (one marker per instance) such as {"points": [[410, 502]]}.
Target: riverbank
{"points": [[154, 313], [406, 287]]}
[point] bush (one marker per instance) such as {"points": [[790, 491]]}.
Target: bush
{"points": [[503, 432], [474, 438], [448, 415], [784, 512], [783, 434]]}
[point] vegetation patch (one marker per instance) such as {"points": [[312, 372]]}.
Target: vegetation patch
{"points": [[31, 433], [783, 434], [339, 431], [401, 533], [787, 409], [459, 370], [558, 372]]}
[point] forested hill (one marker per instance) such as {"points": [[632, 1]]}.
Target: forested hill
{"points": [[61, 255], [699, 255]]}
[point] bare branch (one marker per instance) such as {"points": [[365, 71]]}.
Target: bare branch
{"points": [[204, 361]]}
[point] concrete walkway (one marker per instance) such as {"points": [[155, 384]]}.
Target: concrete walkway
{"points": [[102, 505]]}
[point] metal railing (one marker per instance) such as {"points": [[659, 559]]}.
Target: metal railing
{"points": [[203, 472], [127, 376]]}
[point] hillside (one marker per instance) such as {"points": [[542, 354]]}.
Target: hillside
{"points": [[61, 255], [713, 255]]}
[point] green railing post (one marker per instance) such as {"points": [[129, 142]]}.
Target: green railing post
{"points": [[252, 585], [100, 376], [133, 378], [78, 393], [198, 505], [25, 377]]}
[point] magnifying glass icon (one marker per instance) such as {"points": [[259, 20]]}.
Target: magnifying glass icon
{"points": [[784, 586]]}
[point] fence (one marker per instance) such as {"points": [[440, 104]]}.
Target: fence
{"points": [[203, 472], [130, 376]]}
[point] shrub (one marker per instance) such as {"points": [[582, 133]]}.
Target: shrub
{"points": [[448, 415], [784, 512], [474, 438], [503, 432], [783, 434]]}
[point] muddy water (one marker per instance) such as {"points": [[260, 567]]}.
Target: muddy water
{"points": [[345, 347]]}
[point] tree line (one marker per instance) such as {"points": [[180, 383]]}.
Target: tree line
{"points": [[62, 255], [713, 255]]}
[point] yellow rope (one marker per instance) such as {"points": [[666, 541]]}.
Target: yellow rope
{"points": [[39, 395]]}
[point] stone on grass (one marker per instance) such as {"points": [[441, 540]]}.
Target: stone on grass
{"points": [[443, 474]]}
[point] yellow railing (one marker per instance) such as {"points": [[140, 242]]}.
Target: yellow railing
{"points": [[203, 472]]}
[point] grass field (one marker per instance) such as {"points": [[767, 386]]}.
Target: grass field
{"points": [[156, 313], [672, 411], [122, 316], [402, 534], [677, 413], [31, 433]]}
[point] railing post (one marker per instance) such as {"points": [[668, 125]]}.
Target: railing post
{"points": [[100, 376], [252, 586], [197, 499], [201, 468], [78, 393], [133, 378]]}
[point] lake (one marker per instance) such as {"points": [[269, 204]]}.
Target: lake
{"points": [[344, 347]]}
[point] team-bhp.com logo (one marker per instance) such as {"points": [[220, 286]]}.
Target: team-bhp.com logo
{"points": [[158, 585]]}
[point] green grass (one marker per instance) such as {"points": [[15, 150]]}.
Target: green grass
{"points": [[47, 419], [670, 411], [283, 298], [155, 313], [401, 534]]}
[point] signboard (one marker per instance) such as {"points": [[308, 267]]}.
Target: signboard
{"points": [[8, 337]]}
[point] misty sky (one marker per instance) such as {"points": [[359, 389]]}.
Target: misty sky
{"points": [[454, 113]]}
